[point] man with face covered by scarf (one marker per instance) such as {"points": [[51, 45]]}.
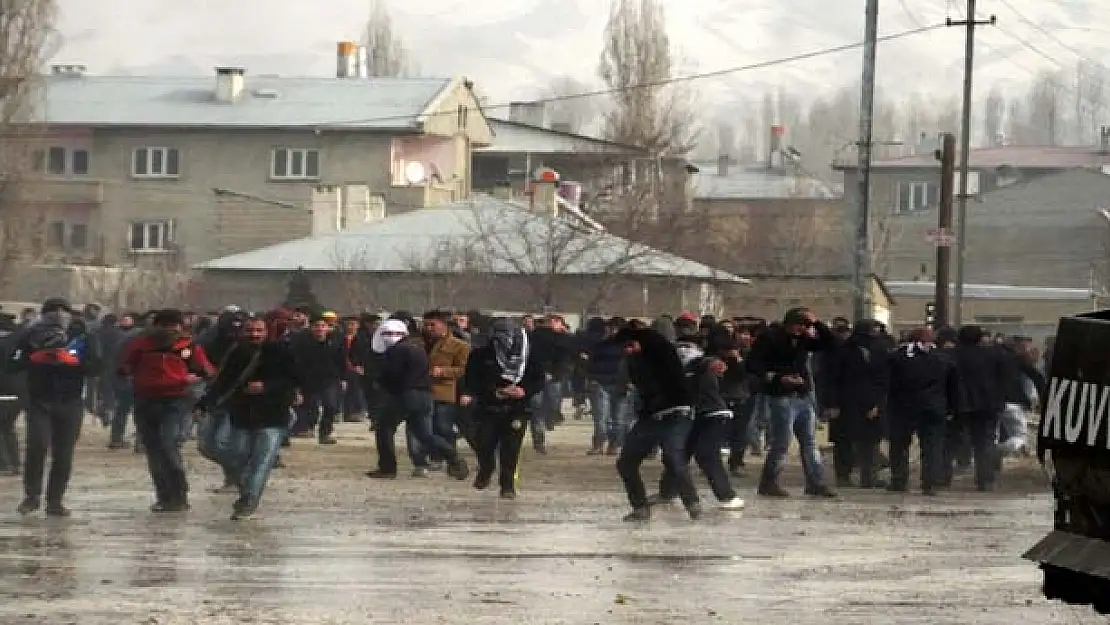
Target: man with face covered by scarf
{"points": [[501, 379], [405, 378], [664, 421], [57, 359]]}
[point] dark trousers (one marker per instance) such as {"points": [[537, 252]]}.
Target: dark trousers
{"points": [[957, 447], [52, 427], [855, 441], [982, 427], [499, 436], [929, 427], [158, 422], [374, 397], [354, 402], [123, 403], [413, 409], [319, 409], [707, 437], [9, 441], [647, 435], [739, 434]]}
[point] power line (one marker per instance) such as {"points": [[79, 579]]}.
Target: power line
{"points": [[1046, 32]]}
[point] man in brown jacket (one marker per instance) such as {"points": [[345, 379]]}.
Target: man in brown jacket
{"points": [[447, 358]]}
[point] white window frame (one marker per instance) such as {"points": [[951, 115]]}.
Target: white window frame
{"points": [[289, 153], [150, 173], [165, 227], [918, 197]]}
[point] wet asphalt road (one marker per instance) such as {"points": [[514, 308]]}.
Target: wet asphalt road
{"points": [[331, 546]]}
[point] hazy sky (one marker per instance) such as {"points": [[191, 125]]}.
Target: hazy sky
{"points": [[513, 49]]}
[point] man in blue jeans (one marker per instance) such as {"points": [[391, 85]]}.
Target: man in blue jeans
{"points": [[778, 361]]}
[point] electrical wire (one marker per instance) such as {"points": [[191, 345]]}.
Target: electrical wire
{"points": [[1046, 32]]}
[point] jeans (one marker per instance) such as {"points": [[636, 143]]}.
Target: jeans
{"points": [[253, 454], [51, 427], [929, 427], [792, 415], [606, 408], [414, 409], [417, 454], [546, 412], [159, 424], [214, 443], [9, 441], [707, 437], [124, 403], [670, 435], [442, 422], [320, 406]]}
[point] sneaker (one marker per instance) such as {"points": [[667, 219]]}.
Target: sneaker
{"points": [[420, 472], [57, 510], [381, 475], [638, 515], [735, 503], [244, 514], [773, 490], [458, 469], [28, 505], [508, 494]]}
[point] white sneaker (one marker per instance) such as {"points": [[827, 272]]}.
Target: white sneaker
{"points": [[735, 503]]}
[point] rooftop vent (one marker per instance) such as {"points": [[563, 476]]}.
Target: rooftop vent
{"points": [[266, 94], [69, 70], [229, 83]]}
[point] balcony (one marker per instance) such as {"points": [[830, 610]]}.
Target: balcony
{"points": [[403, 198], [58, 191]]}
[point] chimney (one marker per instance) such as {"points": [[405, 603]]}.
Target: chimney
{"points": [[229, 83], [722, 164], [774, 146], [349, 60], [529, 113], [1104, 140], [545, 190]]}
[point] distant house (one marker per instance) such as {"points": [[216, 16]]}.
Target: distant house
{"points": [[1047, 231], [485, 253], [172, 171]]}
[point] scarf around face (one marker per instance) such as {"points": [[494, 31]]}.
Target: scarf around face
{"points": [[380, 343], [510, 346]]}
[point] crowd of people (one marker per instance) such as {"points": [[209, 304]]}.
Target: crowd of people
{"points": [[687, 388]]}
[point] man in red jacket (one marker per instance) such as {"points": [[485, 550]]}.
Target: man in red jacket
{"points": [[164, 364]]}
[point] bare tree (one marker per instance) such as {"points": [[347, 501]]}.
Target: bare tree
{"points": [[385, 50], [121, 288], [26, 40], [563, 108], [636, 63], [994, 111], [1091, 84], [1046, 108]]}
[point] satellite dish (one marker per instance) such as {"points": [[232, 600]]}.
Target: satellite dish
{"points": [[414, 172]]}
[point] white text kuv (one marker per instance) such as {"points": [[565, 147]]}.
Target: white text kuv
{"points": [[1076, 408]]}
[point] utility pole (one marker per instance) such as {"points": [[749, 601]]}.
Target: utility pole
{"points": [[862, 265], [965, 149], [942, 238]]}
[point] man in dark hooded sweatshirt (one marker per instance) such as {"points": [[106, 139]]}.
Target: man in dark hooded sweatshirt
{"points": [[982, 373], [664, 420], [501, 380], [857, 380], [57, 358]]}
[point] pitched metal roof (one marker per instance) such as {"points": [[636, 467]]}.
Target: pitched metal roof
{"points": [[266, 102], [517, 138], [758, 184], [480, 234], [994, 291]]}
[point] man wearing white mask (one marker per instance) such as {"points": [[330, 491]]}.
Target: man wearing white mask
{"points": [[406, 380]]}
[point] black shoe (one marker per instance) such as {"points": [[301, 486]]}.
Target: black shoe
{"points": [[821, 491], [540, 449], [279, 463], [773, 490], [29, 505], [381, 475], [328, 440], [169, 507], [481, 482], [508, 494], [638, 515], [57, 510], [285, 442], [458, 469], [114, 445], [244, 513], [694, 510], [660, 500], [928, 491]]}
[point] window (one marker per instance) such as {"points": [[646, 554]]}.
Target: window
{"points": [[80, 162], [462, 117], [156, 163], [295, 164], [55, 234], [56, 160], [916, 196], [79, 236], [151, 236]]}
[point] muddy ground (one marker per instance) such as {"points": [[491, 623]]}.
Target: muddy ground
{"points": [[331, 546]]}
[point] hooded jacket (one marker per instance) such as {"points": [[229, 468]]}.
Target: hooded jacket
{"points": [[703, 382], [160, 363], [270, 363], [777, 353], [656, 372], [857, 374], [61, 381]]}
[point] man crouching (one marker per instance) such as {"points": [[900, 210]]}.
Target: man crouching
{"points": [[256, 385]]}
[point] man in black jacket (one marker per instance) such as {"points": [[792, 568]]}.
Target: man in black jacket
{"points": [[779, 363], [857, 382], [665, 419], [923, 392], [57, 359], [555, 349], [322, 364], [406, 380], [982, 371], [501, 379]]}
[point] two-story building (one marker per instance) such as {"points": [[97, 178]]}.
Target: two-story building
{"points": [[172, 171]]}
